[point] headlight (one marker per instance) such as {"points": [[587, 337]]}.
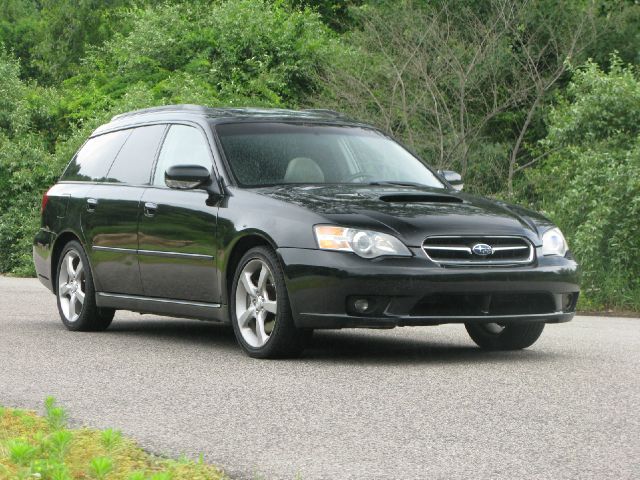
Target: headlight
{"points": [[553, 243], [365, 243]]}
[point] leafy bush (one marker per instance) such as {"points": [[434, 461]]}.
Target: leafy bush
{"points": [[246, 52], [11, 94], [24, 169], [226, 53], [590, 181]]}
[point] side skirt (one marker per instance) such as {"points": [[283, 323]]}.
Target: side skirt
{"points": [[214, 312]]}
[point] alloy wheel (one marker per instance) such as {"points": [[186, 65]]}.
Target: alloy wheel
{"points": [[494, 328], [71, 286], [256, 303]]}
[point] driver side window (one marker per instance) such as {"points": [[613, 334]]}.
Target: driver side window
{"points": [[183, 145]]}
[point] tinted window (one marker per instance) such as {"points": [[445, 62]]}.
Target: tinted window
{"points": [[280, 153], [135, 160], [93, 160], [183, 145]]}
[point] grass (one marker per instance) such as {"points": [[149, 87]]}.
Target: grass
{"points": [[42, 447]]}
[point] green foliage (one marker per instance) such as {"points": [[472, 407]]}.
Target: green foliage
{"points": [[56, 416], [69, 27], [20, 31], [335, 13], [590, 181], [226, 53], [137, 476], [25, 167], [21, 452], [111, 438], [454, 80], [59, 442], [51, 36], [100, 467], [12, 93], [161, 476], [31, 448], [618, 26], [247, 52]]}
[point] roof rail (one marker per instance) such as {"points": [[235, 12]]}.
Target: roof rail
{"points": [[229, 111], [164, 108], [326, 111]]}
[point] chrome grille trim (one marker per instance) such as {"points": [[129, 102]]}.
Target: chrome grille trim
{"points": [[458, 245]]}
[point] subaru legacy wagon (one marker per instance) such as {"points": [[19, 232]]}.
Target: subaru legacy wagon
{"points": [[280, 222]]}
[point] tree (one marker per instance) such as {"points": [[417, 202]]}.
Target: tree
{"points": [[20, 31], [228, 53], [335, 13], [589, 179], [69, 28], [450, 78]]}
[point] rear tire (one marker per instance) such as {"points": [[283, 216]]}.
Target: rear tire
{"points": [[260, 310], [510, 336], [76, 294]]}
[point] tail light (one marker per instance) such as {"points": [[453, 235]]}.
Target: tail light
{"points": [[45, 200]]}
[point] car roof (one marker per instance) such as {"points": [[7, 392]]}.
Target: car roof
{"points": [[222, 115]]}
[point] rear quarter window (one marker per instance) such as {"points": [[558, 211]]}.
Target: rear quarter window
{"points": [[93, 160], [134, 162]]}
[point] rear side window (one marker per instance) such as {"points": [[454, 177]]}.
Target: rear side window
{"points": [[134, 162], [183, 145], [93, 160]]}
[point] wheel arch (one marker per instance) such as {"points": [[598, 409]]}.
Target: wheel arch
{"points": [[241, 246], [61, 240]]}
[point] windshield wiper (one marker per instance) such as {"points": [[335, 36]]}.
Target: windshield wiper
{"points": [[401, 184]]}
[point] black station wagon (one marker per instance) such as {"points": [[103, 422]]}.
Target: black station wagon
{"points": [[281, 222]]}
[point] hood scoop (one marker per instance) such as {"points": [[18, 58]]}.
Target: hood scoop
{"points": [[419, 198]]}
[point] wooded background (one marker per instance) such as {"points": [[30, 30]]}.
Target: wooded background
{"points": [[534, 102]]}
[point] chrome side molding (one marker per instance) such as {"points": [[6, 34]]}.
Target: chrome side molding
{"points": [[156, 253]]}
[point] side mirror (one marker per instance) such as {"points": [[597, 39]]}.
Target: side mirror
{"points": [[186, 177], [453, 178]]}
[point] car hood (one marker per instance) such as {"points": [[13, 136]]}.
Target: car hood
{"points": [[411, 213]]}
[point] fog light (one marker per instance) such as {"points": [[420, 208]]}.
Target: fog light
{"points": [[569, 301], [371, 305], [361, 305]]}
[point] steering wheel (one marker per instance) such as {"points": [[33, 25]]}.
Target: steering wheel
{"points": [[353, 176]]}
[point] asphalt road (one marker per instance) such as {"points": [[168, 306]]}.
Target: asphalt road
{"points": [[407, 403]]}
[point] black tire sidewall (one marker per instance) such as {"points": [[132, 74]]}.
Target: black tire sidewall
{"points": [[285, 340], [514, 336], [91, 318]]}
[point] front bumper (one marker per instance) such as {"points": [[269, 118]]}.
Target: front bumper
{"points": [[322, 286]]}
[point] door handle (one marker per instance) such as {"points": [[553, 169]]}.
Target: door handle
{"points": [[150, 209], [92, 203]]}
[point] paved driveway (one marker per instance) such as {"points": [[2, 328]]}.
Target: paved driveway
{"points": [[407, 403]]}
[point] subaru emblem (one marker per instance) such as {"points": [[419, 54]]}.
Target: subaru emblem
{"points": [[482, 249]]}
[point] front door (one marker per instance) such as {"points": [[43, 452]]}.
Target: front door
{"points": [[177, 229]]}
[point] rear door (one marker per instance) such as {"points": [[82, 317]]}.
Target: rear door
{"points": [[113, 209], [177, 232]]}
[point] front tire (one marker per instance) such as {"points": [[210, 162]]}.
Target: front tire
{"points": [[510, 336], [76, 294], [260, 311]]}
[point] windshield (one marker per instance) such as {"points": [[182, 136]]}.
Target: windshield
{"points": [[281, 153]]}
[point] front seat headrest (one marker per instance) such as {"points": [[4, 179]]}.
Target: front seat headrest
{"points": [[303, 170]]}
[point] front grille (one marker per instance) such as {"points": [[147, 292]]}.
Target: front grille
{"points": [[483, 304], [472, 250]]}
